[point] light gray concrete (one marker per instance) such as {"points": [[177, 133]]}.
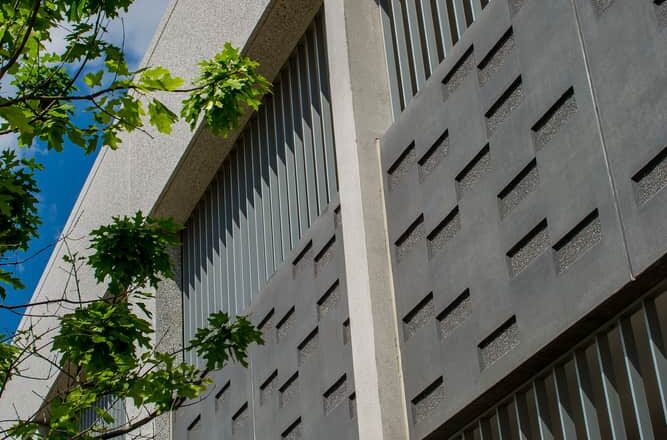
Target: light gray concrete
{"points": [[132, 178], [362, 113]]}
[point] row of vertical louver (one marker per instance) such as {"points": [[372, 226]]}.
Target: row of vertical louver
{"points": [[614, 386], [419, 35], [278, 179]]}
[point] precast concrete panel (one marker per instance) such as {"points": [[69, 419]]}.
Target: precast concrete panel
{"points": [[524, 184]]}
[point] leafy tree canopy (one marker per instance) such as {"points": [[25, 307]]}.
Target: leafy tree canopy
{"points": [[105, 346]]}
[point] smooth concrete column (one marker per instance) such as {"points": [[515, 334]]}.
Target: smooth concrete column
{"points": [[361, 114]]}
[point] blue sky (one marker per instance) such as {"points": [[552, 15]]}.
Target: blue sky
{"points": [[64, 173]]}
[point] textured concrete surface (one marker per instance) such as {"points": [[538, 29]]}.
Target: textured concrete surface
{"points": [[362, 113], [570, 205]]}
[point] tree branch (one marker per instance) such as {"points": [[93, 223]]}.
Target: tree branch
{"points": [[17, 53]]}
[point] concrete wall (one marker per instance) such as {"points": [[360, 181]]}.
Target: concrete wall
{"points": [[134, 177], [517, 194], [510, 199]]}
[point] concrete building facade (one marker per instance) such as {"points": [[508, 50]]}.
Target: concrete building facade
{"points": [[449, 220]]}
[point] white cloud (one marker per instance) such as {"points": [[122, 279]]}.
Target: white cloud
{"points": [[140, 23], [137, 25]]}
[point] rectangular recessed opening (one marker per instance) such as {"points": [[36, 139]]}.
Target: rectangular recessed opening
{"points": [[432, 158], [240, 418], [499, 343], [293, 431], [460, 71], [444, 232], [652, 178], [496, 57], [419, 316], [428, 400], [194, 425], [546, 128], [285, 324], [268, 387], [504, 105], [329, 300], [303, 253], [353, 405], [335, 395], [309, 346], [455, 314], [578, 241], [266, 325], [221, 392], [401, 166], [412, 236], [325, 255], [527, 181], [290, 390], [473, 172], [528, 248], [322, 254]]}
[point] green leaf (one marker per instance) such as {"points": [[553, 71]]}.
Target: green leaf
{"points": [[161, 117], [17, 118], [159, 79], [93, 79]]}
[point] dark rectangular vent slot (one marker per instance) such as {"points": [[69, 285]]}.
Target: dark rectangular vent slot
{"points": [[504, 106], [329, 300], [652, 178], [266, 326], [496, 57], [528, 248], [195, 423], [473, 172], [267, 389], [303, 253], [222, 390], [499, 343], [444, 232], [293, 431], [578, 241], [335, 395], [428, 400], [410, 238], [419, 316], [455, 314], [401, 166], [240, 418], [432, 158], [460, 71], [325, 255], [527, 181], [309, 346], [554, 119], [289, 390], [285, 324]]}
